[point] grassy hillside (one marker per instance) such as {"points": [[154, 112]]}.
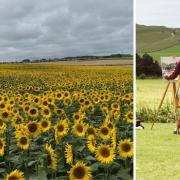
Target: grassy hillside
{"points": [[173, 51], [158, 40]]}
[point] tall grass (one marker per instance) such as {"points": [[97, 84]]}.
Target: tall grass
{"points": [[165, 115]]}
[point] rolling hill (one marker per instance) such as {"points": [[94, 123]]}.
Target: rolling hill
{"points": [[157, 41]]}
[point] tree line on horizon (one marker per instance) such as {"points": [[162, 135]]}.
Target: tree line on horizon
{"points": [[71, 58]]}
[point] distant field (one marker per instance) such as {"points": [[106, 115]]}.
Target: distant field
{"points": [[149, 92], [109, 62]]}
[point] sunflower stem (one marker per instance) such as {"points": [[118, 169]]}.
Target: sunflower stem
{"points": [[106, 172], [126, 163], [26, 154], [8, 144]]}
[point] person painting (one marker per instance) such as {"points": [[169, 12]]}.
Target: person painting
{"points": [[175, 73], [173, 76]]}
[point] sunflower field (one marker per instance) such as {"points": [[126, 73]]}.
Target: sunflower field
{"points": [[66, 122]]}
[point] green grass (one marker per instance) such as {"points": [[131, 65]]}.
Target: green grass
{"points": [[157, 153], [173, 51], [149, 92]]}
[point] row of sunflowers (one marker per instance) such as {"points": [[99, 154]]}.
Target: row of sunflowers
{"points": [[66, 122]]}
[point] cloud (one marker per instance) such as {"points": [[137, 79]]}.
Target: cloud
{"points": [[42, 29], [158, 12]]}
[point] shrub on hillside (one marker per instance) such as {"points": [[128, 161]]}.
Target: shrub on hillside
{"points": [[142, 76], [147, 65]]}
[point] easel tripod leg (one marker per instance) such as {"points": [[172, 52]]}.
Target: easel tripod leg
{"points": [[159, 107], [175, 107]]}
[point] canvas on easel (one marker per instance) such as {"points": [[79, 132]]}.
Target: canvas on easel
{"points": [[168, 65]]}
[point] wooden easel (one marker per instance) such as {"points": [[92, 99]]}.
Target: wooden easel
{"points": [[175, 100]]}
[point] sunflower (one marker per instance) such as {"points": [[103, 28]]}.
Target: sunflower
{"points": [[33, 128], [91, 108], [83, 91], [107, 97], [51, 100], [77, 116], [46, 112], [127, 97], [116, 115], [23, 142], [129, 117], [81, 100], [36, 100], [67, 94], [15, 175], [15, 111], [21, 130], [113, 139], [1, 98], [105, 110], [5, 115], [45, 102], [79, 129], [102, 98], [26, 108], [9, 106], [3, 126], [104, 132], [87, 103], [52, 157], [33, 112], [67, 101], [27, 88], [2, 146], [105, 154], [115, 106], [45, 125], [125, 148], [37, 89], [90, 130], [6, 99], [91, 143], [108, 123], [104, 105], [16, 120], [59, 95], [2, 106], [96, 100], [59, 112], [118, 98], [61, 129], [69, 154], [12, 102], [80, 171]]}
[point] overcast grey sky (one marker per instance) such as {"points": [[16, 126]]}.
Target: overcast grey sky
{"points": [[58, 28], [158, 12]]}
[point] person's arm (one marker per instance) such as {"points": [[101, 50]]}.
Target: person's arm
{"points": [[175, 73]]}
